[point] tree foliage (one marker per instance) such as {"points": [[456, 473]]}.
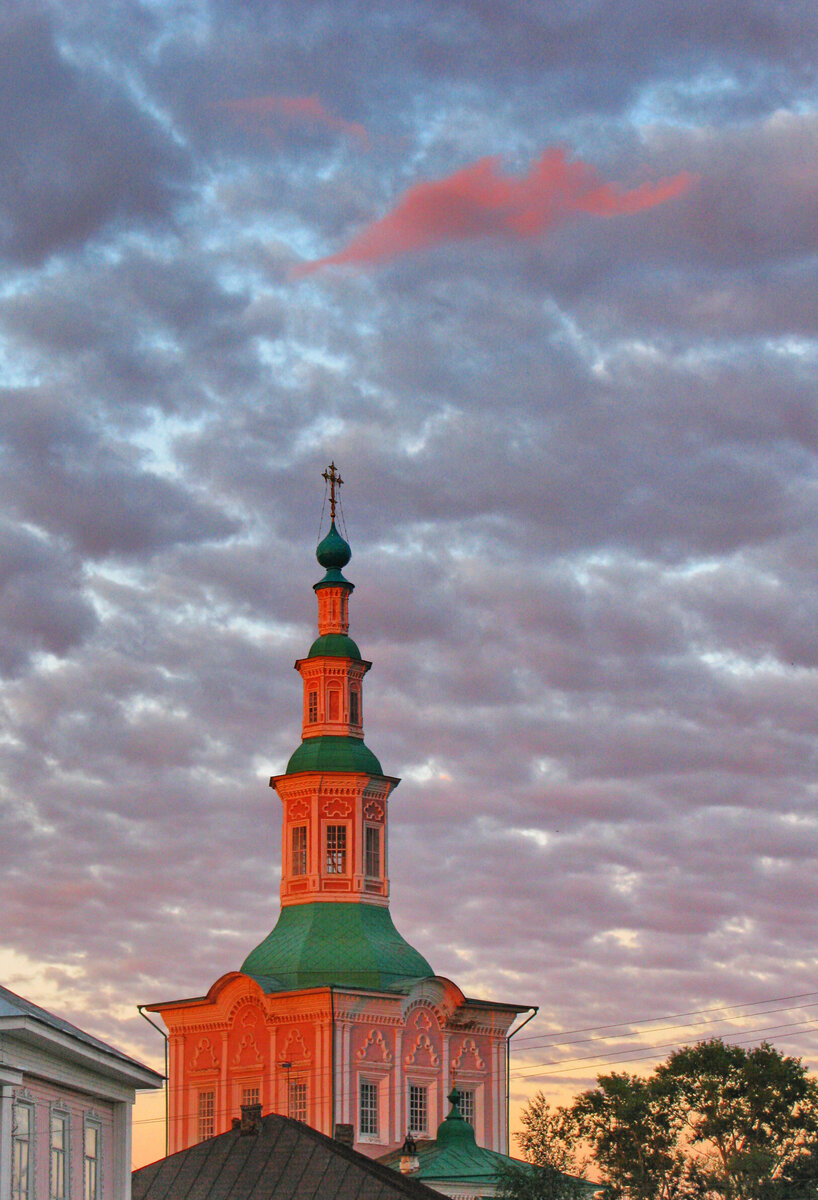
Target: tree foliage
{"points": [[714, 1121], [531, 1182]]}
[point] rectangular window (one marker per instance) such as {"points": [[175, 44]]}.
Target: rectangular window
{"points": [[312, 707], [354, 708], [336, 849], [417, 1108], [372, 851], [334, 704], [207, 1115], [299, 850], [368, 1109], [250, 1095], [298, 1100], [59, 1153], [91, 1152], [467, 1107], [22, 1157]]}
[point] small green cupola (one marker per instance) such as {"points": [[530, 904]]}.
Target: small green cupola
{"points": [[333, 552]]}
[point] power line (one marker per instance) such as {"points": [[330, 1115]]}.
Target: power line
{"points": [[607, 1037], [695, 1012], [642, 1055]]}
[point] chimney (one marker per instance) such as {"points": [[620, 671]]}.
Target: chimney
{"points": [[250, 1119], [345, 1134]]}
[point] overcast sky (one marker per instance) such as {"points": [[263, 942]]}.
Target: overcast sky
{"points": [[541, 279]]}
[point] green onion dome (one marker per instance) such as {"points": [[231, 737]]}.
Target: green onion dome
{"points": [[333, 552]]}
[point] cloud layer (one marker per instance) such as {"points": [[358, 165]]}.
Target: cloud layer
{"points": [[479, 201], [580, 458]]}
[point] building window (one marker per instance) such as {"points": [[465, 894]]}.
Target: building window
{"points": [[466, 1106], [372, 851], [207, 1115], [299, 850], [22, 1156], [91, 1152], [312, 707], [368, 1109], [59, 1155], [297, 1102], [250, 1095], [417, 1108], [333, 705], [336, 849], [354, 708]]}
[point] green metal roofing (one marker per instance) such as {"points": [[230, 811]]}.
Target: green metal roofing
{"points": [[455, 1158], [330, 753], [345, 943], [333, 551], [334, 645]]}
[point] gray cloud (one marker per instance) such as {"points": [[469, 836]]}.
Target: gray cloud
{"points": [[580, 496]]}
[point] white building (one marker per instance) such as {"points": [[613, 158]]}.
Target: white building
{"points": [[65, 1108]]}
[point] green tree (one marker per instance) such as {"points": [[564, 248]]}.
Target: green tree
{"points": [[525, 1181], [547, 1137], [713, 1121], [633, 1127], [751, 1112]]}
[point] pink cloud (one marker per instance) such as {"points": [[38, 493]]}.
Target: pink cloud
{"points": [[480, 201], [296, 108]]}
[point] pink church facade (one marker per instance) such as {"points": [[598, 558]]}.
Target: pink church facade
{"points": [[334, 1018]]}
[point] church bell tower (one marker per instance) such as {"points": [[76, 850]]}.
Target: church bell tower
{"points": [[334, 1018]]}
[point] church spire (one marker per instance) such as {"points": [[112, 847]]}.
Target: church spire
{"points": [[335, 925]]}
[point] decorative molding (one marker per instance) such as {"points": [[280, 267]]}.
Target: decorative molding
{"points": [[203, 1049], [373, 810], [468, 1050], [336, 808], [375, 1039], [247, 1048], [423, 1045], [298, 810], [295, 1038]]}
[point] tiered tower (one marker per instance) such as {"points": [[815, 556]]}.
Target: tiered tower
{"points": [[334, 1018]]}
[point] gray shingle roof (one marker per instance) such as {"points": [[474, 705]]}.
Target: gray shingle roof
{"points": [[285, 1160], [12, 1005]]}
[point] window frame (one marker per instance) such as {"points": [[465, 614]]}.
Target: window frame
{"points": [[298, 854], [422, 1090], [372, 1108], [472, 1094], [372, 834], [336, 860], [62, 1116], [20, 1191], [297, 1099], [312, 707], [205, 1119], [354, 706], [92, 1125]]}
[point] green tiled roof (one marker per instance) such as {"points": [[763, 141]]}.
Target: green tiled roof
{"points": [[334, 645], [346, 943], [330, 753]]}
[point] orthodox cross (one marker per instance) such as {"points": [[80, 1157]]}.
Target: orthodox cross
{"points": [[332, 477]]}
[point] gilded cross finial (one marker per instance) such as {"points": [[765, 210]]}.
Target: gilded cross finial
{"points": [[333, 478]]}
